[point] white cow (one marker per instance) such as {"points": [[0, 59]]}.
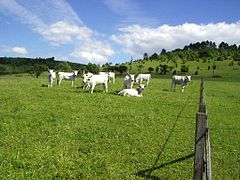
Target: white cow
{"points": [[111, 76], [128, 81], [132, 92], [51, 77], [86, 76], [182, 80], [95, 79], [143, 77], [70, 76]]}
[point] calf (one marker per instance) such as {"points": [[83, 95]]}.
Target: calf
{"points": [[128, 81], [95, 79], [132, 92], [143, 77], [51, 77], [182, 80], [70, 76]]}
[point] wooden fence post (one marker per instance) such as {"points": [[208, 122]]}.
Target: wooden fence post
{"points": [[199, 146], [202, 158]]}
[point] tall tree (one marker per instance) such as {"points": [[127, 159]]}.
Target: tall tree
{"points": [[145, 56]]}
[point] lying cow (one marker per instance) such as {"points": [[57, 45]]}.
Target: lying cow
{"points": [[51, 77], [132, 92], [128, 81], [181, 80], [92, 81], [143, 77], [70, 76]]}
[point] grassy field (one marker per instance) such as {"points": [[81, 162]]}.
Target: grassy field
{"points": [[68, 133]]}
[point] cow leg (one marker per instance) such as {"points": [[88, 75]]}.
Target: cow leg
{"points": [[92, 88], [59, 82], [173, 86], [106, 87], [183, 88]]}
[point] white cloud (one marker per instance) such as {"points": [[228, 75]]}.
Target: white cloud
{"points": [[94, 52], [18, 50], [58, 24], [62, 32], [39, 13], [137, 40]]}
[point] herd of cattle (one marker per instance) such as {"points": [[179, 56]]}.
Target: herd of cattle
{"points": [[90, 80]]}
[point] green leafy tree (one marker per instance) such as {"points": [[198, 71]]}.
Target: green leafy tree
{"points": [[121, 69], [184, 68], [154, 56], [213, 69], [163, 52], [3, 69], [93, 68], [157, 69], [38, 69], [64, 66], [140, 67], [150, 69], [145, 56], [163, 68]]}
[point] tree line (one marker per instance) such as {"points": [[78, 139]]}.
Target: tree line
{"points": [[205, 51]]}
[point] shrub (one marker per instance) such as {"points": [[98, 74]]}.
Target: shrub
{"points": [[184, 68], [231, 63], [64, 66]]}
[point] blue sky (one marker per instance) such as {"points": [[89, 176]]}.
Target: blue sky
{"points": [[100, 31]]}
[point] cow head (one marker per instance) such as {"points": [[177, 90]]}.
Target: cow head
{"points": [[75, 73], [187, 78], [131, 77], [85, 78], [140, 88], [50, 72]]}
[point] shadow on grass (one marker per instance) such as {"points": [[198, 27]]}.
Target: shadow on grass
{"points": [[147, 172]]}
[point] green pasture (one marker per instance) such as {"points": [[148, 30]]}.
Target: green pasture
{"points": [[67, 133]]}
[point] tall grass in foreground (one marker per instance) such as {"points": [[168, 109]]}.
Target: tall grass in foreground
{"points": [[68, 133]]}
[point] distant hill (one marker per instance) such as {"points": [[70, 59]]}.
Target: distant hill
{"points": [[162, 62], [15, 65]]}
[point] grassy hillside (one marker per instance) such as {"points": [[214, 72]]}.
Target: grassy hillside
{"points": [[223, 69], [65, 132]]}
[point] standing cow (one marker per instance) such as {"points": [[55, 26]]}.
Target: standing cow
{"points": [[51, 77], [70, 76], [181, 80], [143, 77], [92, 81], [128, 81], [111, 76]]}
